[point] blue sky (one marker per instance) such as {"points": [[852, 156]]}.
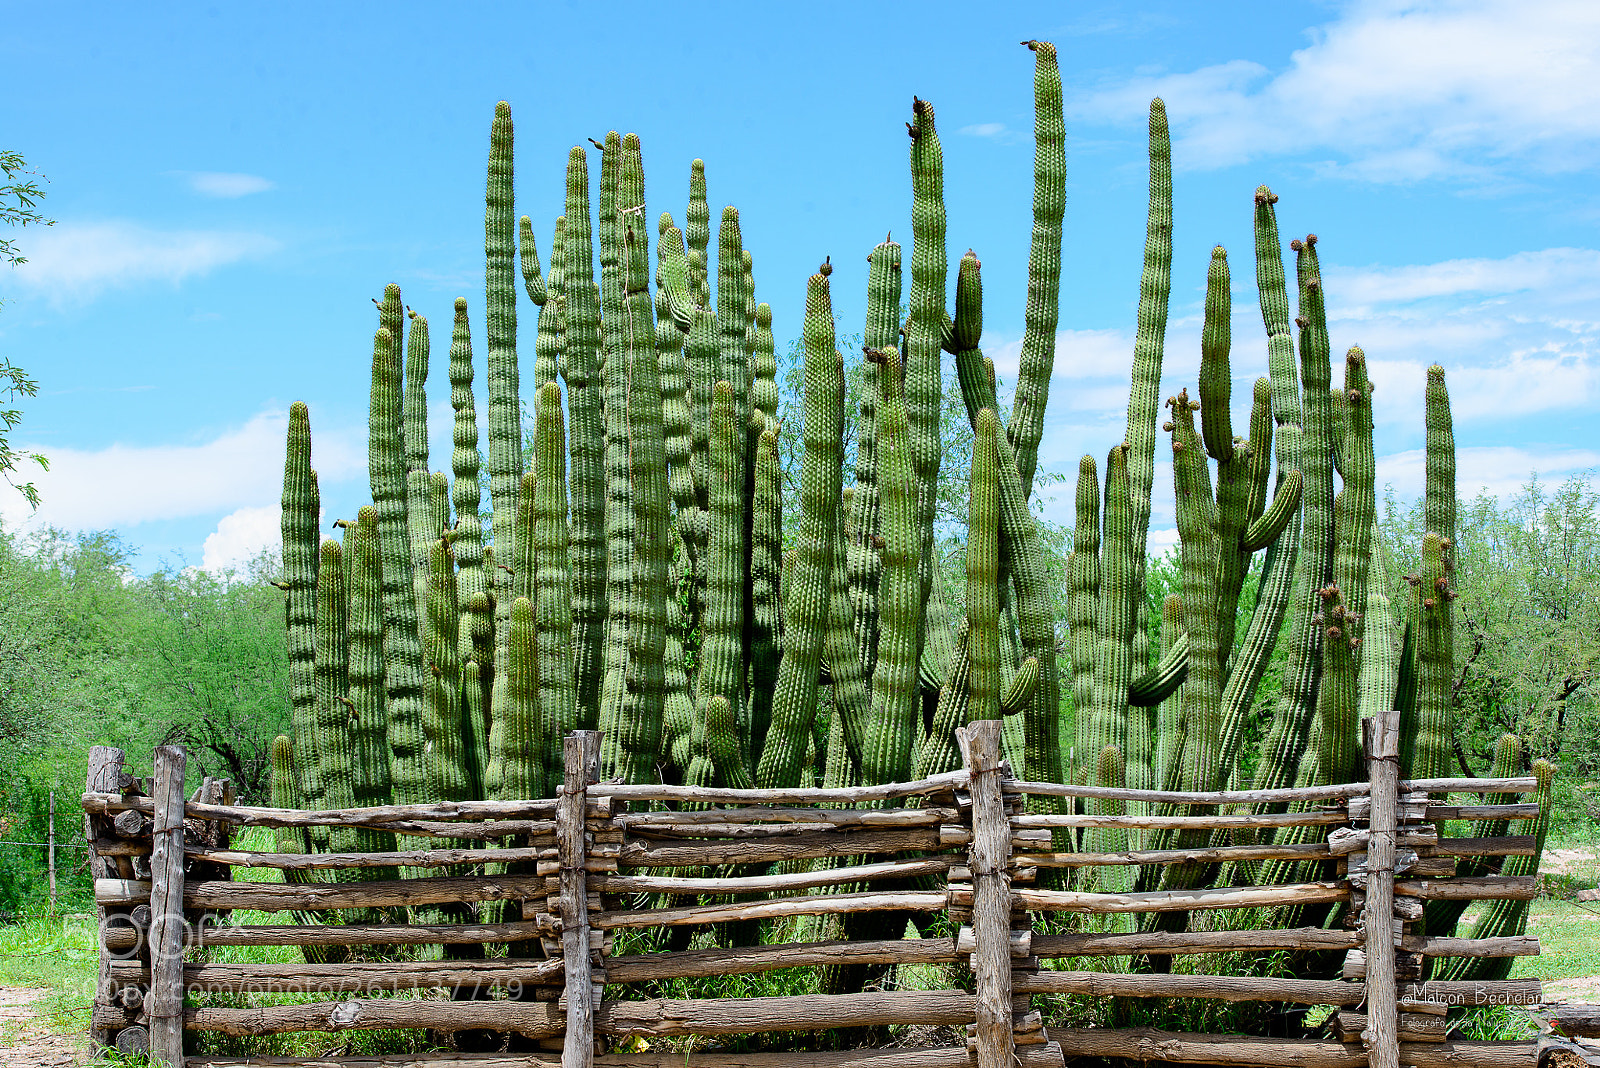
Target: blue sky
{"points": [[232, 184]]}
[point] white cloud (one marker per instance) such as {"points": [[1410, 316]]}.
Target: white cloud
{"points": [[123, 485], [1399, 90], [1500, 470], [227, 186], [81, 259], [240, 536]]}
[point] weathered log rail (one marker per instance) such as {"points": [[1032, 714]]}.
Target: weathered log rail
{"points": [[563, 876]]}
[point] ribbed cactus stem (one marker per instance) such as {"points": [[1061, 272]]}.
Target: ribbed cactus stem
{"points": [[805, 614], [442, 723], [983, 571], [764, 396], [722, 665], [402, 643], [766, 564], [1040, 316], [697, 225], [733, 364], [528, 248], [369, 779], [925, 334], [675, 423], [615, 324], [414, 440], [300, 517], [1083, 601], [1115, 618], [1169, 712], [890, 731], [644, 698], [284, 788], [1198, 555], [1432, 759], [465, 463], [866, 566], [547, 341], [1380, 638], [505, 417], [586, 444], [332, 779], [517, 759], [1439, 466], [1149, 344], [722, 745], [552, 576]]}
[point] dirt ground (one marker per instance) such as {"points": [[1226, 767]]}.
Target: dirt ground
{"points": [[34, 1046]]}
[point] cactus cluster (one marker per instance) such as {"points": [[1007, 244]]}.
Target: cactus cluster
{"points": [[635, 574]]}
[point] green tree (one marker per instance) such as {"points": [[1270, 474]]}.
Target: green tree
{"points": [[19, 207]]}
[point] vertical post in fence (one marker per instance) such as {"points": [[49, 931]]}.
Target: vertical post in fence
{"points": [[581, 753], [991, 895], [50, 839], [105, 772], [1382, 1037], [165, 1002]]}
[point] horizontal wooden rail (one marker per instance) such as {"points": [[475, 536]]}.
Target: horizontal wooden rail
{"points": [[813, 846], [797, 795], [748, 960], [1148, 1044], [1478, 888], [435, 890], [1526, 784], [362, 977], [1516, 845], [1218, 987], [1179, 900], [1440, 946], [410, 858], [1189, 797], [1166, 943], [712, 1016], [819, 905], [1204, 854], [378, 815], [1039, 1056], [869, 817], [891, 869], [369, 934], [1268, 819]]}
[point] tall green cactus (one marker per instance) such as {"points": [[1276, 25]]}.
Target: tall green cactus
{"points": [[299, 531]]}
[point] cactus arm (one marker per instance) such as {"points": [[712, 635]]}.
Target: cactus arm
{"points": [[1155, 290], [675, 423], [806, 596], [1044, 263], [1083, 597], [1339, 411], [619, 476], [1115, 617], [894, 678], [300, 517], [733, 364], [465, 462], [939, 752], [924, 337], [585, 447], [528, 247], [722, 745], [442, 724], [332, 686], [420, 529], [547, 340], [558, 710], [722, 667], [1199, 556], [1267, 527], [1439, 464], [518, 751], [1260, 447], [1019, 691], [1432, 759], [402, 644], [1169, 710], [697, 227], [505, 417], [764, 395], [983, 572], [645, 681], [766, 563], [1287, 737], [1354, 515], [1380, 639], [1216, 377], [866, 566], [1162, 681]]}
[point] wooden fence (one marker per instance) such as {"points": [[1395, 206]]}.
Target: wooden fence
{"points": [[964, 845]]}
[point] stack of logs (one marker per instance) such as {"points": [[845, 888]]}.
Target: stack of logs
{"points": [[1392, 856]]}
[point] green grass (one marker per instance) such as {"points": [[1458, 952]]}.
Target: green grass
{"points": [[57, 955]]}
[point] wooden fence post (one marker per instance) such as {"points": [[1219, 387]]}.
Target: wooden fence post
{"points": [[990, 856], [50, 839], [1382, 1037], [165, 1002], [581, 753]]}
